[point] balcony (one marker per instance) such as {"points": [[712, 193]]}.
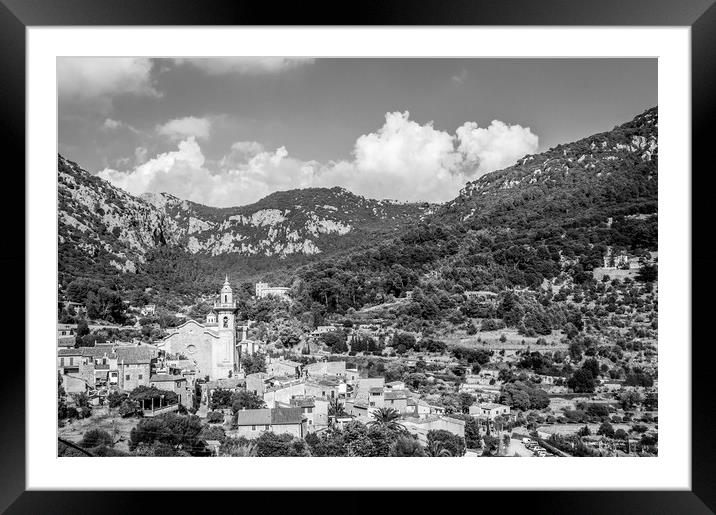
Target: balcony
{"points": [[224, 305]]}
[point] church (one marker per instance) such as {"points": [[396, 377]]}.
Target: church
{"points": [[212, 346]]}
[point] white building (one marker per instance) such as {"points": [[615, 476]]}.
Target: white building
{"points": [[263, 290]]}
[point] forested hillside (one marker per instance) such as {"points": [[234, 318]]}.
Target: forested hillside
{"points": [[552, 212]]}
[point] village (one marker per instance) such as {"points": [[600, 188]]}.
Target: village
{"points": [[354, 378]]}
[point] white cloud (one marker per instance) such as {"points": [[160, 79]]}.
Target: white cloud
{"points": [[460, 77], [101, 78], [110, 124], [403, 159], [181, 128], [494, 147], [245, 65]]}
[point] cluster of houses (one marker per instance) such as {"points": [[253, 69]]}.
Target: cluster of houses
{"points": [[100, 369], [306, 398]]}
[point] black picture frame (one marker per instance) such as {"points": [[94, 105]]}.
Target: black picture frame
{"points": [[700, 15]]}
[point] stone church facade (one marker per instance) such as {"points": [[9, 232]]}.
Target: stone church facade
{"points": [[211, 346]]}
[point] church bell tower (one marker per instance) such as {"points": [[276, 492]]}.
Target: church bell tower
{"points": [[224, 350]]}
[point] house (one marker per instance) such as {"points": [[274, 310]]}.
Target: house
{"points": [[173, 383], [134, 365], [232, 384], [321, 329], [75, 370], [489, 410], [280, 367], [251, 423], [315, 410], [257, 383], [396, 399], [263, 290], [421, 408], [325, 368], [283, 393], [66, 335], [395, 385], [148, 310], [104, 360]]}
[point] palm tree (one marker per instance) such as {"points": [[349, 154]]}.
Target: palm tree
{"points": [[336, 409], [387, 418], [435, 449], [241, 451]]}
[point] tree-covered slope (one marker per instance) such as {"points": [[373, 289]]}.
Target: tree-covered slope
{"points": [[551, 212]]}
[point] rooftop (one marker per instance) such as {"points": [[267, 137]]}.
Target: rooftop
{"points": [[158, 378]]}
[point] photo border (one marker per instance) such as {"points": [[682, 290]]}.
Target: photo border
{"points": [[700, 15]]}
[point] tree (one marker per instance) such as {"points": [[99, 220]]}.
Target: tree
{"points": [[454, 444], [178, 432], [584, 431], [406, 446], [270, 444], [620, 434], [492, 445], [581, 381], [606, 429], [242, 399], [387, 418], [648, 273], [215, 417], [629, 399], [115, 399], [252, 364], [466, 400], [220, 398], [95, 437]]}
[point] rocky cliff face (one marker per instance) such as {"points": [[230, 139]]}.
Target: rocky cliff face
{"points": [[101, 225]]}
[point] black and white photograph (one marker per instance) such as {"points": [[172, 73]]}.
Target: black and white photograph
{"points": [[357, 257]]}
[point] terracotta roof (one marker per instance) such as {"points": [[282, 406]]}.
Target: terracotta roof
{"points": [[306, 402], [98, 352], [280, 416], [266, 416], [143, 354], [158, 378], [253, 417], [69, 352]]}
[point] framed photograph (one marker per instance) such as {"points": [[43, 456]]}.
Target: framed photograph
{"points": [[290, 242]]}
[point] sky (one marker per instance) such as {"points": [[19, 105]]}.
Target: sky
{"points": [[229, 131]]}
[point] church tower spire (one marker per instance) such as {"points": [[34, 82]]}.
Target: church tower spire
{"points": [[223, 354]]}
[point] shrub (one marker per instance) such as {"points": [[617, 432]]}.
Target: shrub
{"points": [[95, 437], [215, 417]]}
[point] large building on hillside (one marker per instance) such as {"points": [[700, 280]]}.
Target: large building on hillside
{"points": [[211, 346], [264, 290]]}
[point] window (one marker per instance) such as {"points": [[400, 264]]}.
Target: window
{"points": [[226, 298], [128, 377], [372, 403], [226, 321], [253, 428], [139, 376], [266, 427], [72, 361], [310, 410], [62, 362]]}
